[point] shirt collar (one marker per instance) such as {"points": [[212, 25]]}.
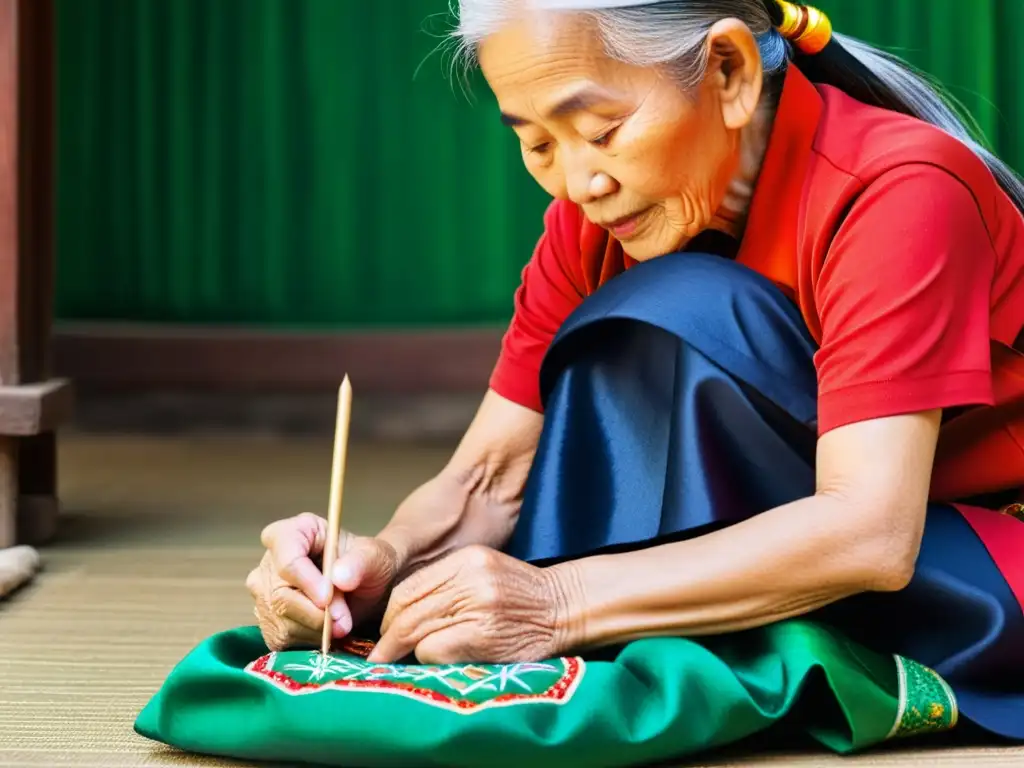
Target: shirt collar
{"points": [[769, 243]]}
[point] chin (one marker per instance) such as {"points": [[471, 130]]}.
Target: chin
{"points": [[645, 250]]}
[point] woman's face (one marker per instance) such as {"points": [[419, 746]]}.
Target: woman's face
{"points": [[645, 160]]}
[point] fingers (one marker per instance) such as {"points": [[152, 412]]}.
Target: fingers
{"points": [[412, 590], [341, 615], [286, 616], [312, 526], [296, 589], [433, 626], [292, 605], [449, 574], [282, 634], [291, 543], [428, 604], [290, 618], [452, 645], [401, 640]]}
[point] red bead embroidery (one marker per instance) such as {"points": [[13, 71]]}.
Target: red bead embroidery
{"points": [[357, 647]]}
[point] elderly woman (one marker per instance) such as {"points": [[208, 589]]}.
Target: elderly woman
{"points": [[765, 362]]}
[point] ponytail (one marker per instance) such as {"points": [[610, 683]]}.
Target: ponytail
{"points": [[881, 79]]}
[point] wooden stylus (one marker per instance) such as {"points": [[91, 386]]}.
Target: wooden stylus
{"points": [[334, 505]]}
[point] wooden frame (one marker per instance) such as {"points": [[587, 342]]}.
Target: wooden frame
{"points": [[32, 404], [131, 358]]}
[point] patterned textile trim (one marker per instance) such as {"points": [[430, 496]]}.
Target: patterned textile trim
{"points": [[357, 647], [1014, 510], [926, 702], [463, 688]]}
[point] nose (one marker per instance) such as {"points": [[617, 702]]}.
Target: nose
{"points": [[584, 183]]}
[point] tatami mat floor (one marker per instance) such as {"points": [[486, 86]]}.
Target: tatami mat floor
{"points": [[155, 543]]}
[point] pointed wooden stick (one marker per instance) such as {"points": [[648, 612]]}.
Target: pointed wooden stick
{"points": [[334, 505]]}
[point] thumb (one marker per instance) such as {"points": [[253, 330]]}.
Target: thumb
{"points": [[358, 564], [349, 569]]}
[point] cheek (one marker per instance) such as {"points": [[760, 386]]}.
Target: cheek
{"points": [[664, 160], [698, 160]]}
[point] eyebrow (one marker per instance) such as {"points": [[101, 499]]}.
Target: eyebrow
{"points": [[576, 102]]}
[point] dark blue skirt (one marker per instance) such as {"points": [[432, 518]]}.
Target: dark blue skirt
{"points": [[682, 397]]}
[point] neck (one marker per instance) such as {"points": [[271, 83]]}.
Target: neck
{"points": [[731, 216]]}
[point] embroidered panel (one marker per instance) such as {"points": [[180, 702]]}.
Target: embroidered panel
{"points": [[926, 705], [459, 687]]}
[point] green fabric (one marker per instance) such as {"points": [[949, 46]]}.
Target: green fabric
{"points": [[653, 699], [311, 164]]}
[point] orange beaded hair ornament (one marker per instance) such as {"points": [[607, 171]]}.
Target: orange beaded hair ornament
{"points": [[806, 27]]}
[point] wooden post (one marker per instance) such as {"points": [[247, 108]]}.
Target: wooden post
{"points": [[8, 491], [31, 403]]}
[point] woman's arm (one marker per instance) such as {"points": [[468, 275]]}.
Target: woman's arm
{"points": [[475, 499], [861, 531]]}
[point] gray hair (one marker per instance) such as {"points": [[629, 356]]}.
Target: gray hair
{"points": [[671, 34]]}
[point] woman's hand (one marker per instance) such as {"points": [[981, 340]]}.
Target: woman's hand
{"points": [[475, 605], [291, 593]]}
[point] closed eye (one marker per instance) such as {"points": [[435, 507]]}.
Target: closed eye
{"points": [[604, 138]]}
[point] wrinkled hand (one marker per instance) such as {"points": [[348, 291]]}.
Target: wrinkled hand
{"points": [[476, 605], [291, 592]]}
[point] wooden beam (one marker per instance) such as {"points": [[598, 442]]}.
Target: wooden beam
{"points": [[112, 357], [35, 409]]}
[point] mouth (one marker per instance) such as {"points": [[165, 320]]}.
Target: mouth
{"points": [[624, 226]]}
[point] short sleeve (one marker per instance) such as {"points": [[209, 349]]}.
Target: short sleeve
{"points": [[903, 298], [550, 289]]}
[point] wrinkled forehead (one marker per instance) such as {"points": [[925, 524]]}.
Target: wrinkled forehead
{"points": [[586, 5], [478, 14], [534, 45]]}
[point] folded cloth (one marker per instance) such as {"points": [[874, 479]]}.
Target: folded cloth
{"points": [[650, 700]]}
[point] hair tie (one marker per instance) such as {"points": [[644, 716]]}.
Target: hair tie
{"points": [[806, 27]]}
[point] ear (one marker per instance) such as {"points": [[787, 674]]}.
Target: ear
{"points": [[734, 71]]}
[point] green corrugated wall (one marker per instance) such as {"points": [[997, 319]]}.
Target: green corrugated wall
{"points": [[309, 163]]}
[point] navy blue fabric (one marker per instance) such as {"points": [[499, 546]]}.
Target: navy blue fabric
{"points": [[957, 616], [681, 397]]}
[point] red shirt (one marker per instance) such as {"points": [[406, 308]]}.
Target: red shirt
{"points": [[904, 255]]}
